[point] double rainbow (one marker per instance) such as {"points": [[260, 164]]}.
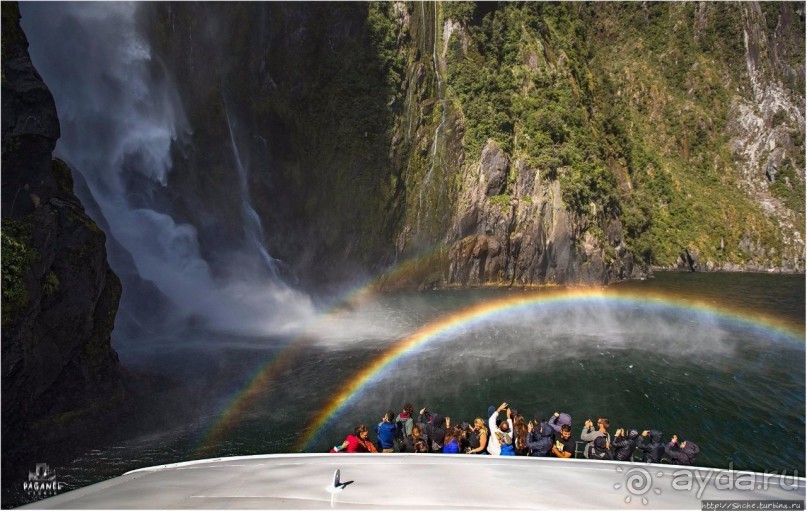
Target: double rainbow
{"points": [[443, 328]]}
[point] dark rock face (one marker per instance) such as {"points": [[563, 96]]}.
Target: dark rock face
{"points": [[29, 126], [687, 261], [318, 164], [361, 151], [60, 297]]}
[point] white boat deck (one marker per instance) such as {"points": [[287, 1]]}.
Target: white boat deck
{"points": [[408, 481]]}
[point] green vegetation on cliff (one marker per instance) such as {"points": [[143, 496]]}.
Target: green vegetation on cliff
{"points": [[16, 261], [627, 105], [363, 125]]}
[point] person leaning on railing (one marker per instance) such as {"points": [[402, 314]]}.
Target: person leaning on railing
{"points": [[564, 443]]}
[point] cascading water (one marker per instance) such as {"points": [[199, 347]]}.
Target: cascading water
{"points": [[119, 124], [427, 180], [646, 362], [253, 228]]}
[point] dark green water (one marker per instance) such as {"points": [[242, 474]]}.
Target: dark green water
{"points": [[732, 386]]}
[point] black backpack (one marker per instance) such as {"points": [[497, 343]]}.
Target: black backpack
{"points": [[594, 454], [400, 436], [435, 444]]}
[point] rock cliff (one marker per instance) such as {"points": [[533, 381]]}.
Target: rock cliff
{"points": [[486, 143], [60, 297]]}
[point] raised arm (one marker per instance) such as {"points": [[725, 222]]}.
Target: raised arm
{"points": [[589, 433]]}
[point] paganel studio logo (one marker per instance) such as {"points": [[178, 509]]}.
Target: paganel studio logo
{"points": [[42, 481]]}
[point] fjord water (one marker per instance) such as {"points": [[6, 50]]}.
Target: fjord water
{"points": [[734, 387]]}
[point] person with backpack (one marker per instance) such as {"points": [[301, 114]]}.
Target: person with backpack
{"points": [[589, 434], [404, 425], [501, 439], [598, 449], [436, 431], [405, 418], [386, 432]]}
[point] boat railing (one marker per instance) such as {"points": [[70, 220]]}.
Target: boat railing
{"points": [[580, 447]]}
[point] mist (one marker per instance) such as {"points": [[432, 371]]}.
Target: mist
{"points": [[120, 120]]}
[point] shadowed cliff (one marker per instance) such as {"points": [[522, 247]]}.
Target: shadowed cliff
{"points": [[60, 297]]}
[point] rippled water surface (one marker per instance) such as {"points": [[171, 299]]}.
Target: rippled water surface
{"points": [[716, 358]]}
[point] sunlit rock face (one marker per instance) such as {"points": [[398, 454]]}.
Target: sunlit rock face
{"points": [[374, 135], [273, 146], [767, 127]]}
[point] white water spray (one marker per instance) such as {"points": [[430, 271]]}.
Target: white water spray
{"points": [[253, 228], [119, 123], [441, 96]]}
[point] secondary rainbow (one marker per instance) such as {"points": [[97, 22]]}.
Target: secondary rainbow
{"points": [[262, 380], [267, 374], [444, 327]]}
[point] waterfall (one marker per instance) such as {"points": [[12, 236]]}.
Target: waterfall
{"points": [[441, 101], [253, 228], [119, 123]]}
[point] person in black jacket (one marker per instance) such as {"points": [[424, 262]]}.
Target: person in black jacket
{"points": [[624, 445], [654, 451], [598, 449], [539, 437], [478, 437], [436, 432], [685, 454], [409, 441]]}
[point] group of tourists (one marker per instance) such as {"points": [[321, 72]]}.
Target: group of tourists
{"points": [[514, 435]]}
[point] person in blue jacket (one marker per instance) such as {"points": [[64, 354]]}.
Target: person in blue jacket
{"points": [[453, 440], [386, 432], [539, 436]]}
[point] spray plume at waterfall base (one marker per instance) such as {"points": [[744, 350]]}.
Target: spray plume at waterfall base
{"points": [[712, 370], [122, 99], [244, 363]]}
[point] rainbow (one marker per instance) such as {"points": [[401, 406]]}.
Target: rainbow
{"points": [[450, 324], [268, 373], [241, 401]]}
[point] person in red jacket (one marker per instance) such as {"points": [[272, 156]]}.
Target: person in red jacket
{"points": [[359, 441]]}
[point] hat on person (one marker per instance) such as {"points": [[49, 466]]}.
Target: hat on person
{"points": [[539, 416], [491, 410]]}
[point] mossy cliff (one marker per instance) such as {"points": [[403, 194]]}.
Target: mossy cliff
{"points": [[495, 143], [59, 296]]}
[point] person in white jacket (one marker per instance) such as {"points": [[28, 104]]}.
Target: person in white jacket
{"points": [[506, 427]]}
